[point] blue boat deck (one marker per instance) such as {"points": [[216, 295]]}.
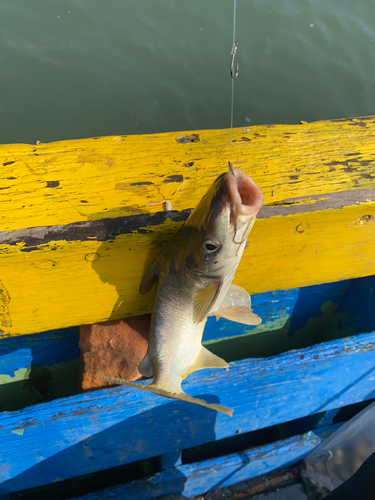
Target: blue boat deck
{"points": [[284, 405]]}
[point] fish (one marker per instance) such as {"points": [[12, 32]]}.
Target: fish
{"points": [[193, 277]]}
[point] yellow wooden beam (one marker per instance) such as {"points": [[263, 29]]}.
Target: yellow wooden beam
{"points": [[78, 224]]}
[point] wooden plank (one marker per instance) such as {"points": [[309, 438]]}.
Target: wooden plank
{"points": [[66, 207], [89, 179], [291, 319], [86, 433], [38, 368], [199, 478], [313, 247], [282, 311]]}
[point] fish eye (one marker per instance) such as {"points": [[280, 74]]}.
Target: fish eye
{"points": [[211, 246]]}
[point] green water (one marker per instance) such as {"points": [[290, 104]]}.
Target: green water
{"points": [[81, 68]]}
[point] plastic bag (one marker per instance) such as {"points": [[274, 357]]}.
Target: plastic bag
{"points": [[340, 456]]}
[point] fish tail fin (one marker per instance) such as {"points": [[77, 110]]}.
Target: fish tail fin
{"points": [[155, 389], [189, 399]]}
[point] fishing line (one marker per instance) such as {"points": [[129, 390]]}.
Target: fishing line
{"points": [[233, 74]]}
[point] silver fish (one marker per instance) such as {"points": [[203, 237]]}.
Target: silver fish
{"points": [[193, 274]]}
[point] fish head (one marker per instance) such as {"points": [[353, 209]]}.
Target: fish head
{"points": [[222, 222]]}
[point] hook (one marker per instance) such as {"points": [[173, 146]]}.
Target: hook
{"points": [[233, 73]]}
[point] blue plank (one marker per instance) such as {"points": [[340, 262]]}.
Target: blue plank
{"points": [[358, 303], [35, 368], [293, 319], [86, 433], [170, 459], [285, 310], [44, 366], [46, 348], [199, 478]]}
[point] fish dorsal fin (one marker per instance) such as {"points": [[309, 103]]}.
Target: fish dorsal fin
{"points": [[150, 278], [239, 314], [173, 395], [204, 300], [206, 359]]}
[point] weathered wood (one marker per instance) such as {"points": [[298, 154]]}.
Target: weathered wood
{"points": [[38, 368], [80, 215], [291, 319], [94, 431], [82, 180], [201, 477]]}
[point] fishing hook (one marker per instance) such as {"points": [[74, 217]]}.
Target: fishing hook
{"points": [[233, 73]]}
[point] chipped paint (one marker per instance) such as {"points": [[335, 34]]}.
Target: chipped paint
{"points": [[310, 152], [5, 320], [330, 320], [345, 251], [19, 431], [18, 375], [280, 323]]}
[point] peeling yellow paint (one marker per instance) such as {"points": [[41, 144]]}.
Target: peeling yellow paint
{"points": [[116, 176], [78, 291], [303, 201]]}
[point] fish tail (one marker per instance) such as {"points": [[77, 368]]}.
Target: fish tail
{"points": [[172, 395]]}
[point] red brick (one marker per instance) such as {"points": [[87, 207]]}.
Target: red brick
{"points": [[114, 348]]}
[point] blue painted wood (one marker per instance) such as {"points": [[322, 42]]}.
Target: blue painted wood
{"points": [[172, 459], [94, 431], [357, 304], [47, 349], [199, 478], [326, 418], [37, 368], [287, 310], [58, 352]]}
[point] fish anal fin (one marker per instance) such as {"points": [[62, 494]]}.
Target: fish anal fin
{"points": [[206, 359], [150, 278], [180, 395], [145, 367], [239, 314], [204, 300]]}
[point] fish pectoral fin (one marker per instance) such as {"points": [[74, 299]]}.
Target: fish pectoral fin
{"points": [[236, 307], [204, 300], [154, 388], [206, 359], [150, 278], [239, 314], [235, 296]]}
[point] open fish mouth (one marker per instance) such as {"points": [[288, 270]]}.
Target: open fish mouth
{"points": [[244, 194]]}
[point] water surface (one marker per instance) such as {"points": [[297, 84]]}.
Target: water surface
{"points": [[82, 68]]}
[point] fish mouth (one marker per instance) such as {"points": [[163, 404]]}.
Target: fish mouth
{"points": [[245, 195]]}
